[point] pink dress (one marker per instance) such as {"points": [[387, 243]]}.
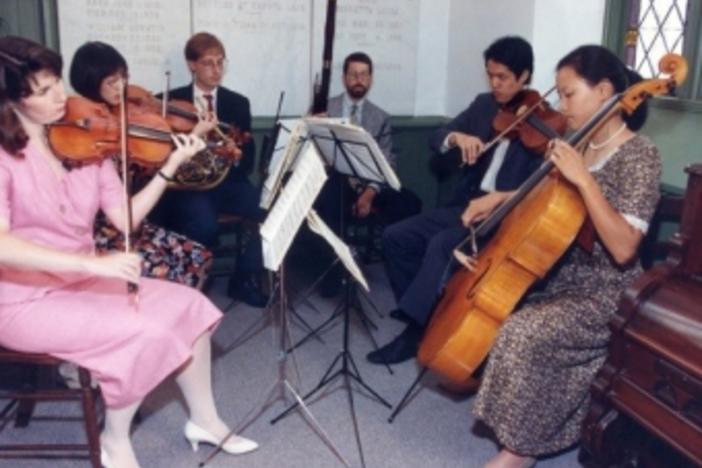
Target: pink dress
{"points": [[80, 318]]}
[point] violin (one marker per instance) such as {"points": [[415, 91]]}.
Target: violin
{"points": [[89, 132], [182, 116], [531, 119]]}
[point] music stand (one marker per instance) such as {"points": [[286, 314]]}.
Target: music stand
{"points": [[351, 151], [310, 176]]}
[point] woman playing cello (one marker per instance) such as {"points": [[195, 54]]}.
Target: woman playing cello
{"points": [[58, 297], [534, 392]]}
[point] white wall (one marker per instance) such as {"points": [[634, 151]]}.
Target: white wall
{"points": [[559, 27], [432, 57], [454, 33], [472, 27], [428, 52]]}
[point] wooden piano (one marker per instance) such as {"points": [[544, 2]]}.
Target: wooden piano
{"points": [[646, 408]]}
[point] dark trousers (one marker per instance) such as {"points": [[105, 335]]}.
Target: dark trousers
{"points": [[334, 202], [417, 253], [194, 214]]}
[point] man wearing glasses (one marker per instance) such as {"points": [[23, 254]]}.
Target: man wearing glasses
{"points": [[361, 199], [194, 213]]}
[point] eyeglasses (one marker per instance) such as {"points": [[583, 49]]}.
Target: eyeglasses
{"points": [[221, 63], [364, 75]]}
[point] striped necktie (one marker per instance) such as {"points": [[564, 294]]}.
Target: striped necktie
{"points": [[354, 114], [209, 98]]}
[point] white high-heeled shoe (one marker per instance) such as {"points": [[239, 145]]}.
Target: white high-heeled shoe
{"points": [[105, 459], [235, 445]]}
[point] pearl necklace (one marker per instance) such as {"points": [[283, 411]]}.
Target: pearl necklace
{"points": [[599, 146]]}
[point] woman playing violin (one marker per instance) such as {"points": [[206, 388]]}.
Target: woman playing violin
{"points": [[58, 297], [534, 392], [96, 72]]}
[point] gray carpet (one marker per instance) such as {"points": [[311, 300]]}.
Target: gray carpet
{"points": [[435, 430]]}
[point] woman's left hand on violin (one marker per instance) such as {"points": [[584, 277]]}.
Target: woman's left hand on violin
{"points": [[207, 121], [569, 162], [186, 146]]}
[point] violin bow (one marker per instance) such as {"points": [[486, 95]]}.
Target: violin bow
{"points": [[166, 91], [132, 288]]}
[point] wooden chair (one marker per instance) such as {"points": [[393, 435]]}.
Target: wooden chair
{"points": [[33, 389], [366, 234], [229, 225], [656, 245]]}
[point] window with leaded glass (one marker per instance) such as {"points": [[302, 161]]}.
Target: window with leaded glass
{"points": [[645, 30]]}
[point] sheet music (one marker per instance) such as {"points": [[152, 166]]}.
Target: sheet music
{"points": [[293, 204], [290, 136], [342, 250], [365, 159]]}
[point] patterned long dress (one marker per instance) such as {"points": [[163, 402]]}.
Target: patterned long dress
{"points": [[535, 390], [166, 254]]}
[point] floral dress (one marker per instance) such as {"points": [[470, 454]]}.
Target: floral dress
{"points": [[535, 390], [166, 254]]}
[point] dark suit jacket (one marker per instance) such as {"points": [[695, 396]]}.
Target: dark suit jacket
{"points": [[374, 120], [476, 120], [232, 108]]}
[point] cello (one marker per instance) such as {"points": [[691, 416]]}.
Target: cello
{"points": [[537, 225]]}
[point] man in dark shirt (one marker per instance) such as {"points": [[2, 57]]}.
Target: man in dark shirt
{"points": [[418, 249], [193, 212]]}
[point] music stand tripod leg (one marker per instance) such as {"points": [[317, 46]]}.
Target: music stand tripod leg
{"points": [[348, 370], [282, 384], [405, 398], [315, 331]]}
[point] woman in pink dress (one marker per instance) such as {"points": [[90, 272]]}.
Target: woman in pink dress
{"points": [[58, 297]]}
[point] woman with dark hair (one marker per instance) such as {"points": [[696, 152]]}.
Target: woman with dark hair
{"points": [[534, 392], [96, 72], [58, 297]]}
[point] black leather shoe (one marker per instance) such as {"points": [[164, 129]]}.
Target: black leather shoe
{"points": [[247, 289], [402, 348], [399, 314]]}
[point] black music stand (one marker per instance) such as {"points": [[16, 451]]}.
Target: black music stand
{"points": [[351, 151], [282, 386]]}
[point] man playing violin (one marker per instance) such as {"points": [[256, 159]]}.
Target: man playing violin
{"points": [[418, 249], [194, 213]]}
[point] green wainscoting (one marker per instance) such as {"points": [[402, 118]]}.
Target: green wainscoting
{"points": [[678, 134]]}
